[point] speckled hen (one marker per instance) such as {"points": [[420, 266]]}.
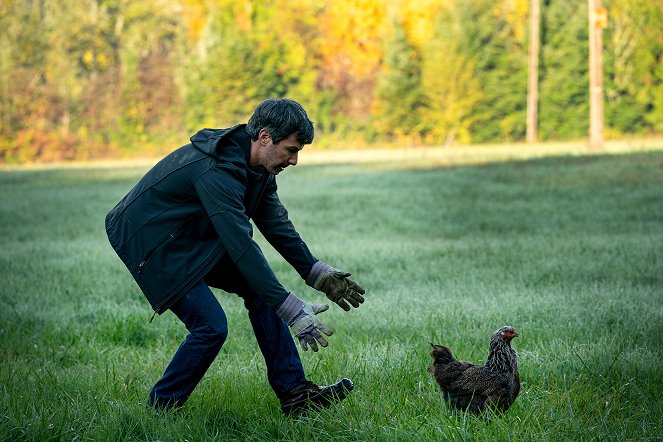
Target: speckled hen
{"points": [[471, 387]]}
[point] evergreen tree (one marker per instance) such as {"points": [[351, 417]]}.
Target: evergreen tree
{"points": [[491, 41], [398, 95], [451, 86], [241, 60], [634, 66], [564, 69]]}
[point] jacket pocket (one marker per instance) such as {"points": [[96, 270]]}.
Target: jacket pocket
{"points": [[170, 236]]}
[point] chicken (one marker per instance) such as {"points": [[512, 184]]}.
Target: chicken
{"points": [[471, 387]]}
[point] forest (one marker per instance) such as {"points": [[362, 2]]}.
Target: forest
{"points": [[87, 79]]}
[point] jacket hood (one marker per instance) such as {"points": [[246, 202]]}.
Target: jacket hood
{"points": [[206, 140]]}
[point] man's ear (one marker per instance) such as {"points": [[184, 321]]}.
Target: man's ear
{"points": [[263, 136]]}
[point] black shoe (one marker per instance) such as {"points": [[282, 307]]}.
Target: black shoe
{"points": [[308, 395]]}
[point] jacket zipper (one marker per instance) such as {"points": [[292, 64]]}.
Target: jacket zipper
{"points": [[151, 252]]}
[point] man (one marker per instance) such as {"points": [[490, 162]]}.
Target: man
{"points": [[186, 226]]}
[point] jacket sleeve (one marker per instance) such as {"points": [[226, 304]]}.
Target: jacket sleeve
{"points": [[271, 217], [221, 191]]}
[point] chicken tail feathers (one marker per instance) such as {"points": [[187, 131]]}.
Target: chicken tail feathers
{"points": [[441, 355]]}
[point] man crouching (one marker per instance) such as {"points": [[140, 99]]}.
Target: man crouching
{"points": [[185, 226]]}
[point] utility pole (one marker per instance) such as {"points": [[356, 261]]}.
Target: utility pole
{"points": [[598, 20], [533, 72]]}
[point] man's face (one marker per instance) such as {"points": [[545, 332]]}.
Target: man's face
{"points": [[276, 157]]}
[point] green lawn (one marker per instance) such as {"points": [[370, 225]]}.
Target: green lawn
{"points": [[568, 249]]}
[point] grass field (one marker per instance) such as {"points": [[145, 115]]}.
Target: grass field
{"points": [[566, 248]]}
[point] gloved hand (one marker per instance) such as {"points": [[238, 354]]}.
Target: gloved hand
{"points": [[300, 316], [336, 285]]}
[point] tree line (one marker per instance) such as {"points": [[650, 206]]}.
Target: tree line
{"points": [[96, 78]]}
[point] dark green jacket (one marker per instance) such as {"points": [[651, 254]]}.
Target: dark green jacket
{"points": [[192, 208]]}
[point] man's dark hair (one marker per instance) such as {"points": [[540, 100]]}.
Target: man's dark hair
{"points": [[281, 117]]}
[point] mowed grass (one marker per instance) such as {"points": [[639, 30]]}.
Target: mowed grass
{"points": [[567, 249]]}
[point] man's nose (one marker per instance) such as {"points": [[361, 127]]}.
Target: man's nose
{"points": [[293, 160]]}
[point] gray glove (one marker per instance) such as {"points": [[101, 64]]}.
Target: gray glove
{"points": [[300, 316], [336, 285]]}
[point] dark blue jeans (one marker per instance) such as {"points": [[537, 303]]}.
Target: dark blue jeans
{"points": [[206, 322]]}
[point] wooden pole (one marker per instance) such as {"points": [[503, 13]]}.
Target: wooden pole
{"points": [[533, 72], [597, 22]]}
